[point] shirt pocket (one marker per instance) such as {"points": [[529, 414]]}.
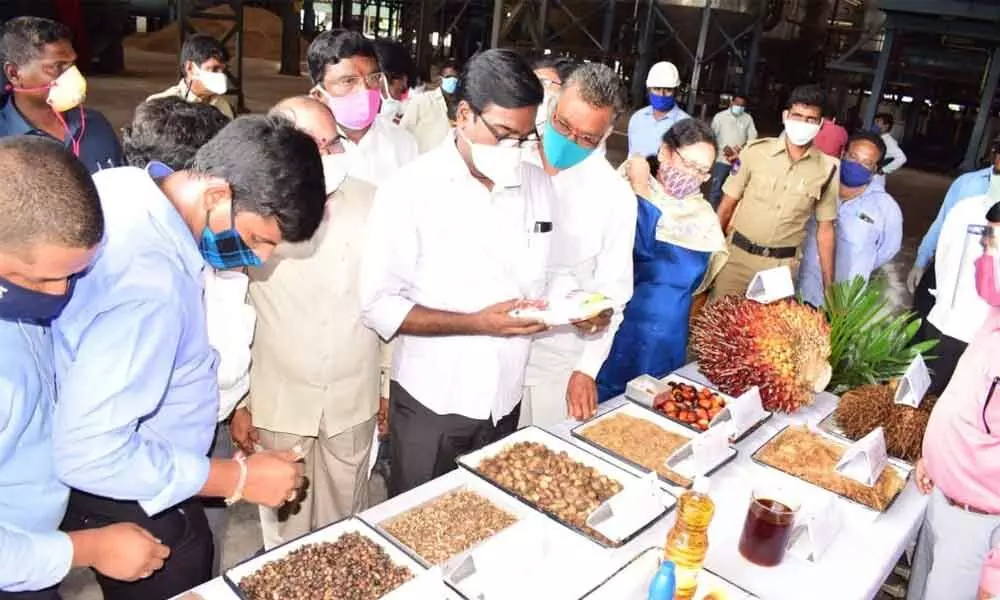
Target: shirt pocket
{"points": [[856, 235], [797, 196]]}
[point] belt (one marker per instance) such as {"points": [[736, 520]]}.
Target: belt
{"points": [[742, 242], [967, 507]]}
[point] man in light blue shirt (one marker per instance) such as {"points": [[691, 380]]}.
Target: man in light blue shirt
{"points": [[50, 231], [647, 125], [138, 393], [869, 222], [975, 183]]}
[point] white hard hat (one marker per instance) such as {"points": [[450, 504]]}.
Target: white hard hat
{"points": [[663, 75]]}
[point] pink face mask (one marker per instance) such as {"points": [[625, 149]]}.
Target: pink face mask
{"points": [[987, 280], [356, 110]]}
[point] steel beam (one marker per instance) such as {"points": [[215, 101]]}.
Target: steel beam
{"points": [[699, 58], [989, 90], [290, 48], [982, 30], [497, 18], [607, 30], [878, 83], [645, 56], [750, 67], [543, 14]]}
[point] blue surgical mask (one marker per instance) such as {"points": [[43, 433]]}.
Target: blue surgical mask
{"points": [[449, 84], [737, 110], [21, 304], [876, 128], [662, 103], [560, 151], [854, 174], [226, 249]]}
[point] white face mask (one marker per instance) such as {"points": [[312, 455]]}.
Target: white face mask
{"points": [[69, 90], [801, 133], [501, 164], [335, 167], [544, 109], [216, 83]]}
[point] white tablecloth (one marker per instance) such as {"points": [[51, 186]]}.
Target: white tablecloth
{"points": [[853, 568]]}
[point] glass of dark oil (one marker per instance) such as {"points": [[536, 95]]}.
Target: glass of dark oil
{"points": [[769, 524]]}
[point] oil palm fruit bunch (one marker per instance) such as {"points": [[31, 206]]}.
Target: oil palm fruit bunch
{"points": [[868, 343], [782, 348]]}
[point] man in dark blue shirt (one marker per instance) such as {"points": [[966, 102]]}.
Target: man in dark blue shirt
{"points": [[45, 91]]}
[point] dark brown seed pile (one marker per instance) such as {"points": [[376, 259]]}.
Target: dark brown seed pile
{"points": [[553, 481], [351, 568]]}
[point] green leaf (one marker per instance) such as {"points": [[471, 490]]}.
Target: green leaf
{"points": [[869, 343]]}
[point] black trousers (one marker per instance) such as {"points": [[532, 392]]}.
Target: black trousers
{"points": [[424, 444], [948, 351], [182, 528], [51, 593]]}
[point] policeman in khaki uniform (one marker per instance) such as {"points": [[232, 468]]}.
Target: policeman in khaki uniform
{"points": [[766, 204]]}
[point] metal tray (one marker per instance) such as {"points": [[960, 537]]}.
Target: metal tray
{"points": [[330, 533], [471, 461], [903, 472], [631, 582], [829, 426], [699, 386], [662, 421]]}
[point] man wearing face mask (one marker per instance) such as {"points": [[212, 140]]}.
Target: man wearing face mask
{"points": [[781, 183], [456, 241], [316, 368], [44, 93], [427, 116], [960, 467], [591, 246], [957, 312], [55, 237], [203, 74], [647, 125], [552, 71], [733, 129], [869, 222], [138, 388], [397, 66], [345, 74]]}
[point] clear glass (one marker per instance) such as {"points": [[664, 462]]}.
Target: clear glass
{"points": [[769, 523]]}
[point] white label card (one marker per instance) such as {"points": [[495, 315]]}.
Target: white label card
{"points": [[629, 510], [771, 285], [817, 530], [500, 567], [425, 586], [742, 413], [709, 449], [865, 459], [914, 384]]}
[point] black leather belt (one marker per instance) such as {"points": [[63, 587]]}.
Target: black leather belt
{"points": [[741, 242]]}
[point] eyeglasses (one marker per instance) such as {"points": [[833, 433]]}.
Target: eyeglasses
{"points": [[546, 82], [693, 167], [343, 85], [586, 140], [333, 146], [506, 139], [864, 163]]}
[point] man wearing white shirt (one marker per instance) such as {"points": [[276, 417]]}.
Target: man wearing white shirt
{"points": [[958, 310], [344, 70], [594, 216], [895, 158], [427, 116], [456, 241]]}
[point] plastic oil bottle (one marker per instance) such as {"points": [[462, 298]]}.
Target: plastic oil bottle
{"points": [[687, 542]]}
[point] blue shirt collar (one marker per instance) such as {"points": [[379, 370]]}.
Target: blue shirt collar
{"points": [[158, 170], [16, 124], [165, 214]]}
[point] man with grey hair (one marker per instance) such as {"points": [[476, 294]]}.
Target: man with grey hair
{"points": [[593, 217]]}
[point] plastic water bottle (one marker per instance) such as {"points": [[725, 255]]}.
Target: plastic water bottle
{"points": [[687, 542], [663, 585]]}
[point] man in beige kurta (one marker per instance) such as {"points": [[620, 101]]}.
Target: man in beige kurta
{"points": [[315, 375]]}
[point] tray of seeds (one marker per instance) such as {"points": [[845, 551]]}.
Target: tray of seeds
{"points": [[347, 559], [812, 457], [643, 440], [563, 481], [439, 529]]}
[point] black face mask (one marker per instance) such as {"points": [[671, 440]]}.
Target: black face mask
{"points": [[21, 304]]}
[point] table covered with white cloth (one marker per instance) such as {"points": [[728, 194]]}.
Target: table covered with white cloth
{"points": [[854, 567]]}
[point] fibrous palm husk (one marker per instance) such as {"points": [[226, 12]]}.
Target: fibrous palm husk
{"points": [[862, 410]]}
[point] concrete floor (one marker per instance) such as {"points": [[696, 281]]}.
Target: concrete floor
{"points": [[919, 194]]}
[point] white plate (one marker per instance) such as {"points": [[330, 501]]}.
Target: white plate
{"points": [[684, 469], [534, 434], [329, 533], [631, 582]]}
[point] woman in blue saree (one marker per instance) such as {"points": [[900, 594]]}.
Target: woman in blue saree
{"points": [[679, 249]]}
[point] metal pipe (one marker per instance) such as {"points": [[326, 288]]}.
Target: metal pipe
{"points": [[543, 13], [497, 17], [985, 101], [878, 83], [645, 51], [750, 67], [699, 57], [607, 29]]}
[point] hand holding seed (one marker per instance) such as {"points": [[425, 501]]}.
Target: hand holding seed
{"points": [[273, 477]]}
